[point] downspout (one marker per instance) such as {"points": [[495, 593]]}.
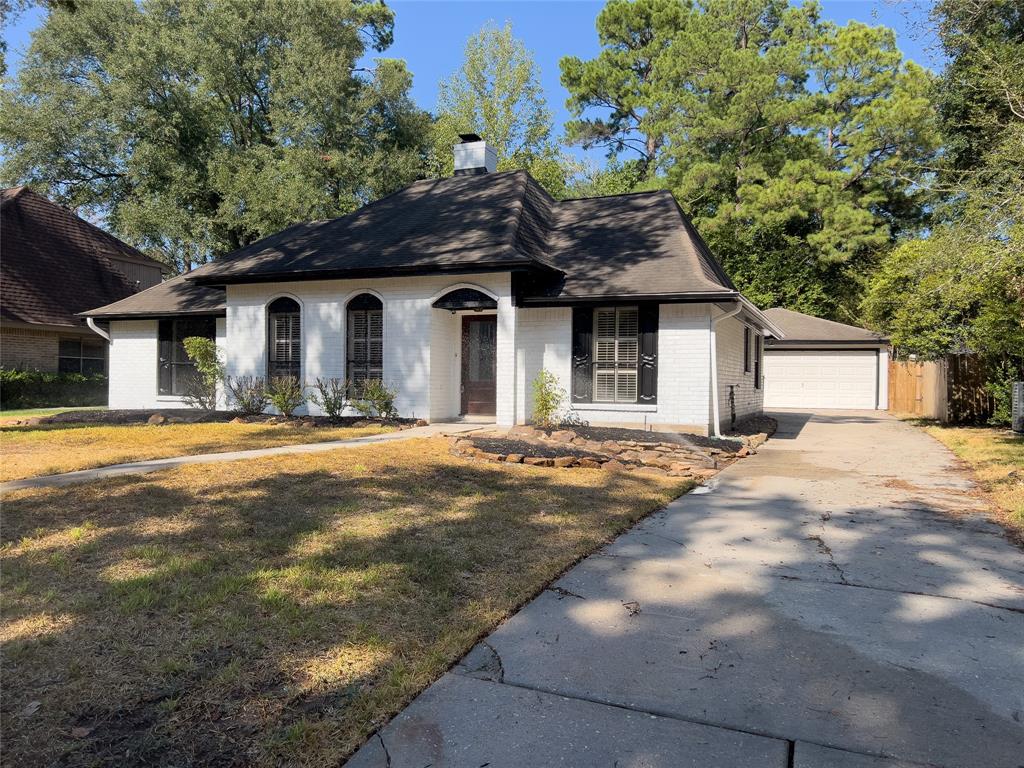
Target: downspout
{"points": [[712, 322], [96, 329]]}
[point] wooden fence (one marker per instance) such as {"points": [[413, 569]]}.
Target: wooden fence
{"points": [[948, 390]]}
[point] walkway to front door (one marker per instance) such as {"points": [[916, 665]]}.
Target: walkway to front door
{"points": [[479, 365]]}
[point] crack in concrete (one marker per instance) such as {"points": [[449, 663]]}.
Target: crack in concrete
{"points": [[856, 585], [826, 550], [563, 593], [387, 755], [497, 656]]}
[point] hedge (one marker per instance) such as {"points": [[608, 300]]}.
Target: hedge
{"points": [[36, 389]]}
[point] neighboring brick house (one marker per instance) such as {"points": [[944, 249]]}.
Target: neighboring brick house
{"points": [[54, 265], [457, 292]]}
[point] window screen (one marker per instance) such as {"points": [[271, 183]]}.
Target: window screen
{"points": [[176, 370]]}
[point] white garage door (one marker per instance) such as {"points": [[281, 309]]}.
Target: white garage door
{"points": [[820, 379]]}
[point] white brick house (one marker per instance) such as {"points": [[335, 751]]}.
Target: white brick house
{"points": [[457, 293]]}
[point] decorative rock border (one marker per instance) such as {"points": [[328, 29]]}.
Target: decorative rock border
{"points": [[565, 448]]}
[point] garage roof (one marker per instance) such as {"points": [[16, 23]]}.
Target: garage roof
{"points": [[802, 330]]}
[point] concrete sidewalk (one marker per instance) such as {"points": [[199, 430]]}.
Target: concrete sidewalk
{"points": [[836, 601], [153, 465]]}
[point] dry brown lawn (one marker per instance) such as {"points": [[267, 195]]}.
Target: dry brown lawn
{"points": [[48, 449], [273, 611], [997, 458]]}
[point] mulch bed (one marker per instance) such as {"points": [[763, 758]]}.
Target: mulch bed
{"points": [[507, 445], [196, 416]]}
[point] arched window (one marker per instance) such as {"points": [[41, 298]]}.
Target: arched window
{"points": [[284, 338], [365, 339]]}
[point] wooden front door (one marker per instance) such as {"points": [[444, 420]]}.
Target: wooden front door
{"points": [[479, 364]]}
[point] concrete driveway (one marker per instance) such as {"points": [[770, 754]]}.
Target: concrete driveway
{"points": [[835, 601]]}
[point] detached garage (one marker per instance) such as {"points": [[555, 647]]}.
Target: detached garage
{"points": [[822, 364]]}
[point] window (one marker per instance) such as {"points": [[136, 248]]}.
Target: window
{"points": [[365, 358], [284, 338], [746, 349], [175, 369], [758, 350], [616, 354], [82, 356]]}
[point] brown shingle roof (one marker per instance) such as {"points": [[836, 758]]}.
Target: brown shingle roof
{"points": [[802, 329], [177, 296], [55, 264]]}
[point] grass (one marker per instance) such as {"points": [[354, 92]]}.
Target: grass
{"points": [[273, 611], [10, 415], [31, 451], [997, 458]]}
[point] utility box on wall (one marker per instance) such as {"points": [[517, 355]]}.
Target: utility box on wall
{"points": [[1017, 412]]}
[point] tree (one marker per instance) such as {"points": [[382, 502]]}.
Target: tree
{"points": [[497, 94], [962, 288], [196, 127], [792, 142]]}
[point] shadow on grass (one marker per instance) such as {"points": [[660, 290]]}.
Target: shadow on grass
{"points": [[274, 608]]}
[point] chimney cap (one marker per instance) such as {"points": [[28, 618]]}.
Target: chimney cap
{"points": [[468, 138]]}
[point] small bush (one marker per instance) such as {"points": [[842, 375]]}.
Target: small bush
{"points": [[331, 397], [548, 399], [374, 398], [249, 394], [36, 389], [286, 393], [201, 391]]}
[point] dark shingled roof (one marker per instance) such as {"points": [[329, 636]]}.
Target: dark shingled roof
{"points": [[803, 329], [55, 264], [625, 246], [177, 296]]}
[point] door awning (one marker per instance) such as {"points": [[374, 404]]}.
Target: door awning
{"points": [[465, 299]]}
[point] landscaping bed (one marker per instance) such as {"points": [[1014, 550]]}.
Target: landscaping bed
{"points": [[193, 416], [673, 454], [274, 611]]}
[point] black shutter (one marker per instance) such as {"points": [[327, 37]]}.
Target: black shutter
{"points": [[165, 355], [758, 351], [746, 349], [582, 349], [648, 390]]}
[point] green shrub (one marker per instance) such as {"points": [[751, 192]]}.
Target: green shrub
{"points": [[374, 398], [286, 393], [331, 397], [548, 399], [201, 391], [37, 389], [249, 394]]}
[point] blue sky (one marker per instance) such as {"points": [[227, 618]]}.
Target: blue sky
{"points": [[430, 35]]}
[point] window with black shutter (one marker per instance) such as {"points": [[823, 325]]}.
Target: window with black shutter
{"points": [[758, 351], [365, 339], [284, 338], [746, 349], [615, 354], [175, 368]]}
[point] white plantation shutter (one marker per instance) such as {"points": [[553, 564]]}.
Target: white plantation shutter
{"points": [[285, 345], [365, 339], [616, 354]]}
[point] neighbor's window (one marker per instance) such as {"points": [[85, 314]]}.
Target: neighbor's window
{"points": [[284, 338], [176, 370], [365, 358], [616, 354], [82, 356]]}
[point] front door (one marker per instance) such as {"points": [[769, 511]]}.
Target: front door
{"points": [[479, 364]]}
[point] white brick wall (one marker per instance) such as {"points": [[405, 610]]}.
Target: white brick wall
{"points": [[684, 380], [422, 351], [134, 359], [417, 337], [729, 351]]}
